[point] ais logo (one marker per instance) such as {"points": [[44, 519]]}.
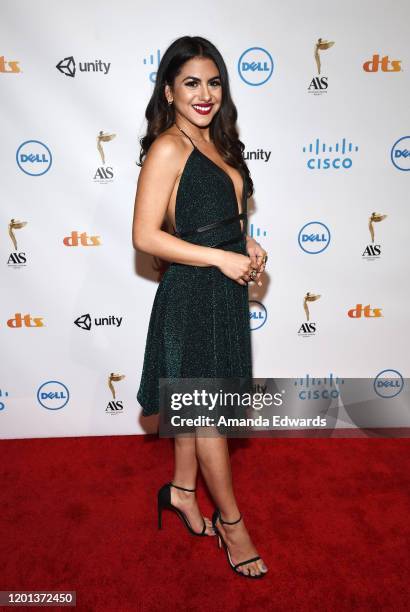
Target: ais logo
{"points": [[255, 66], [257, 314], [384, 64], [400, 154], [76, 239], [25, 321], [366, 311], [314, 238]]}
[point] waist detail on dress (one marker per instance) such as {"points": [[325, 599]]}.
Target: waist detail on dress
{"points": [[210, 226]]}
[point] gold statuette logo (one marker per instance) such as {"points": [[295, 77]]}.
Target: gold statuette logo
{"points": [[13, 225], [321, 45], [100, 139], [375, 218], [114, 378], [309, 297]]}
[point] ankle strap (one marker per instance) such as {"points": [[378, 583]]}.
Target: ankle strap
{"points": [[181, 488], [229, 523]]}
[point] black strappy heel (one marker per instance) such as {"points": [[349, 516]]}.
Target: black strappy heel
{"points": [[164, 502], [221, 541]]}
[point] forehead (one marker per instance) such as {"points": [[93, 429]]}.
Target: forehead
{"points": [[201, 67]]}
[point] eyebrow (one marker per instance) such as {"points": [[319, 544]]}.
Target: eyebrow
{"points": [[197, 79]]}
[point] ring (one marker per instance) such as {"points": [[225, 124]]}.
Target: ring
{"points": [[253, 274]]}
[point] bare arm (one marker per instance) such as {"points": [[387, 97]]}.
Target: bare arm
{"points": [[155, 184]]}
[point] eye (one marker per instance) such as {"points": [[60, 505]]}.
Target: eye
{"points": [[215, 83], [191, 83]]}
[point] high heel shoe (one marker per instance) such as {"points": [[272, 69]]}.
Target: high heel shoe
{"points": [[164, 502], [221, 541]]}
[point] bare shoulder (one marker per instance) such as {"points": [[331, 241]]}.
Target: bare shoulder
{"points": [[168, 148]]}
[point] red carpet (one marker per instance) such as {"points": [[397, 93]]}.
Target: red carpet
{"points": [[329, 517]]}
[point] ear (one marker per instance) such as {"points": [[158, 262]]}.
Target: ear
{"points": [[168, 93]]}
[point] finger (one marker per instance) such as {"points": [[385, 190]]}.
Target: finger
{"points": [[254, 260]]}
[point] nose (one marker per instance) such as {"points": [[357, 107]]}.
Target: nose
{"points": [[205, 93]]}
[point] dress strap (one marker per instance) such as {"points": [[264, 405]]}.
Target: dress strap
{"points": [[185, 134]]}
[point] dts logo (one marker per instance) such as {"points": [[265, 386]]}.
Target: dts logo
{"points": [[356, 313], [373, 64], [82, 239], [26, 321], [8, 66]]}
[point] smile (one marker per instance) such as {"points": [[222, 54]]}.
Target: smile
{"points": [[202, 109]]}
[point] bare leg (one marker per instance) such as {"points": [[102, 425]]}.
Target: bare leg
{"points": [[185, 473], [214, 460]]}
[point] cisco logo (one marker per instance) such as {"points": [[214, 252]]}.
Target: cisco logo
{"points": [[314, 237], [324, 157], [53, 395], [255, 66], [257, 314], [34, 157], [400, 153], [388, 383]]}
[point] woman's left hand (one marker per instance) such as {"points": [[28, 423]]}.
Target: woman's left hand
{"points": [[256, 252]]}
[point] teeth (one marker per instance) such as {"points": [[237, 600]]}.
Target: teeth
{"points": [[201, 107]]}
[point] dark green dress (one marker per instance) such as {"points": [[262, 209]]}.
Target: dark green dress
{"points": [[199, 324]]}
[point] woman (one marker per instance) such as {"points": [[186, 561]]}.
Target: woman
{"points": [[194, 175]]}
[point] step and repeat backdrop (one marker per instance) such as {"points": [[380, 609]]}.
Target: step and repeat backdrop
{"points": [[322, 95]]}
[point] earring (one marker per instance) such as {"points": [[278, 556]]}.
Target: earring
{"points": [[170, 102]]}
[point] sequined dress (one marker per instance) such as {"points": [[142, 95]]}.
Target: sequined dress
{"points": [[199, 323]]}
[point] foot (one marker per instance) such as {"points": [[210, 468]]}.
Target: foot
{"points": [[241, 547], [187, 503]]}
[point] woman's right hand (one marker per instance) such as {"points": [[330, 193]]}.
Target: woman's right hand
{"points": [[235, 266]]}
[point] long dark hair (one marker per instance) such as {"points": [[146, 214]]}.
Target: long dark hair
{"points": [[160, 115]]}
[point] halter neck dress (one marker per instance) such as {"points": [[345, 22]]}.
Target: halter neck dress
{"points": [[199, 325]]}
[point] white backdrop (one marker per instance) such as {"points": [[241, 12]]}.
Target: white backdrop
{"points": [[54, 374]]}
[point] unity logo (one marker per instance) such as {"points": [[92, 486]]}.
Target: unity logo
{"points": [[76, 239], [340, 158], [85, 322], [309, 327], [26, 320], [67, 66], [259, 154], [18, 259], [373, 251], [257, 315], [255, 66], [53, 395], [374, 64], [314, 237], [400, 154], [9, 66], [34, 158]]}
